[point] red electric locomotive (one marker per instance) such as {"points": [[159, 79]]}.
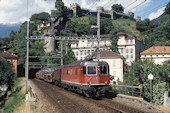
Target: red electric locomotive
{"points": [[88, 77]]}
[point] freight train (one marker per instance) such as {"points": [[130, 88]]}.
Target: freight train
{"points": [[90, 78]]}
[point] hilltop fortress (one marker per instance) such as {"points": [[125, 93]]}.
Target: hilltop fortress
{"points": [[76, 10]]}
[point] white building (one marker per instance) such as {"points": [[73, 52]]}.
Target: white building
{"points": [[129, 46], [43, 25], [158, 54], [116, 64], [83, 48]]}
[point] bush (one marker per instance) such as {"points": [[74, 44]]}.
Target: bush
{"points": [[158, 93], [7, 76], [16, 97]]}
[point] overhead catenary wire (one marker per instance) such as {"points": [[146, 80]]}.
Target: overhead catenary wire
{"points": [[93, 4], [130, 4], [155, 8], [136, 6], [111, 2]]}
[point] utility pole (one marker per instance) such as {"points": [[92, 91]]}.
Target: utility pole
{"points": [[98, 36], [66, 44], [27, 57], [61, 52]]}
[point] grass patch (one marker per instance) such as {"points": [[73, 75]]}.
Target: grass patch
{"points": [[15, 97], [128, 25]]}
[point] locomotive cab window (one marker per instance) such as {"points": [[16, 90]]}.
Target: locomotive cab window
{"points": [[103, 70], [91, 70], [84, 70]]}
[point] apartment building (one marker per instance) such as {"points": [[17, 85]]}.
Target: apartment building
{"points": [[158, 54], [83, 48], [129, 46]]}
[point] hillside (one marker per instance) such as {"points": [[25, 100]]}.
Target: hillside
{"points": [[5, 29], [128, 25], [156, 32], [82, 25]]}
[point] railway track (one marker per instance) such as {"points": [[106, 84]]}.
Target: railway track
{"points": [[74, 103], [63, 102], [123, 107]]}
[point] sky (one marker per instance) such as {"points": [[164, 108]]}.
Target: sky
{"points": [[15, 11]]}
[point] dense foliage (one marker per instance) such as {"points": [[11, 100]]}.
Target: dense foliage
{"points": [[118, 8], [138, 75], [7, 77], [60, 12], [156, 32]]}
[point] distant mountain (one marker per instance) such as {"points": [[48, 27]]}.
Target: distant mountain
{"points": [[5, 29]]}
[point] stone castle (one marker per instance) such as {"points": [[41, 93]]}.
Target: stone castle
{"points": [[76, 10]]}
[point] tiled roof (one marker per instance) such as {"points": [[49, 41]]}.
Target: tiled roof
{"points": [[108, 54], [120, 33], [103, 37], [7, 55], [157, 50], [130, 37]]}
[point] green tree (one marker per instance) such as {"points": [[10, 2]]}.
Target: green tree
{"points": [[40, 17], [167, 9], [138, 73], [156, 32], [105, 25], [36, 19], [114, 37], [7, 77], [67, 58], [60, 11], [142, 25], [1, 43], [118, 8]]}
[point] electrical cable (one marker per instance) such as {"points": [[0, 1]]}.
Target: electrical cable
{"points": [[137, 5], [162, 5], [93, 4], [130, 4]]}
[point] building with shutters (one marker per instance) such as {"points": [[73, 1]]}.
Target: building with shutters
{"points": [[83, 48], [129, 47], [158, 54]]}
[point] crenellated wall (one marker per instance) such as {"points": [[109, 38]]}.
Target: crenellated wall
{"points": [[76, 10]]}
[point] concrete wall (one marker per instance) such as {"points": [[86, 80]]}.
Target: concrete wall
{"points": [[50, 45], [166, 98]]}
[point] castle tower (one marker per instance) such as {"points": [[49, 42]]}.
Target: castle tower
{"points": [[131, 14], [76, 9], [138, 18], [50, 45], [100, 9]]}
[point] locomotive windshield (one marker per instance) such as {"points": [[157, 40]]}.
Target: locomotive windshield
{"points": [[91, 70], [103, 70]]}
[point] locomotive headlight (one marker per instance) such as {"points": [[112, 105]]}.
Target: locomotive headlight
{"points": [[106, 82]]}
